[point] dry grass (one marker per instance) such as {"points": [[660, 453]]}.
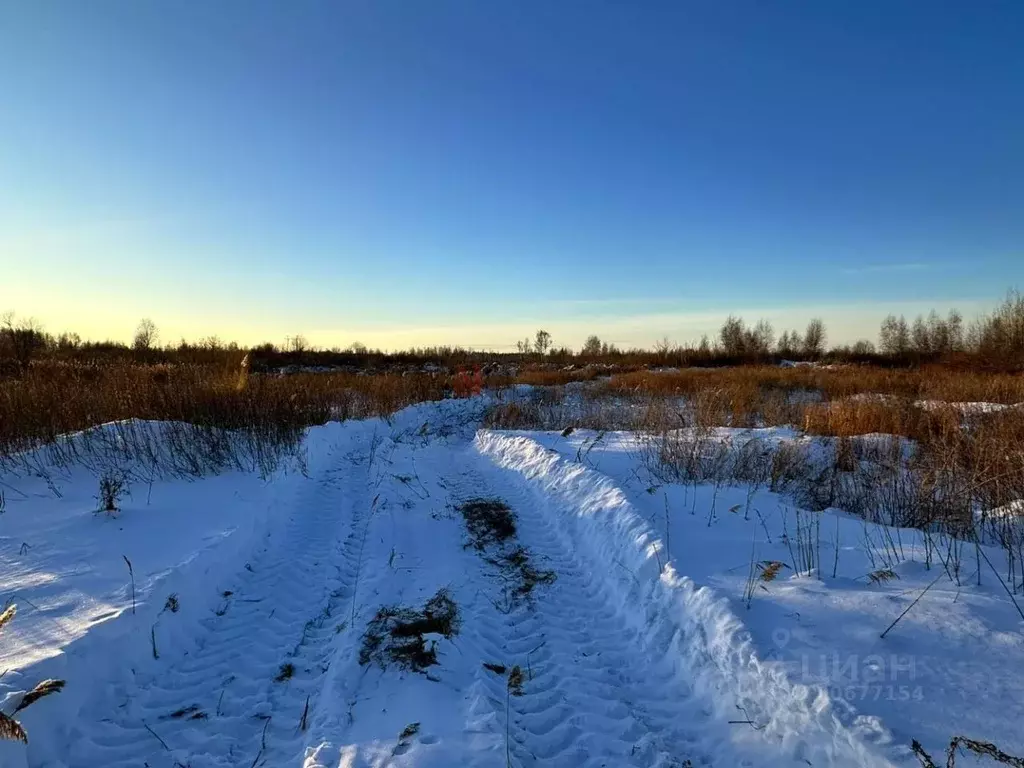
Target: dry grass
{"points": [[488, 521], [491, 525], [285, 673], [11, 729], [751, 383], [223, 417], [396, 634], [888, 449], [548, 378], [959, 743]]}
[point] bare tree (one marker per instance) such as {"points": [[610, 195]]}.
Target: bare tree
{"points": [[146, 335], [1000, 335], [542, 342], [733, 334], [955, 324], [920, 338], [664, 346], [814, 338], [894, 336], [592, 346], [21, 339], [789, 344], [762, 338], [297, 343], [67, 341]]}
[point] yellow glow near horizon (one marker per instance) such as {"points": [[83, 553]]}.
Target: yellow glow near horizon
{"points": [[99, 316]]}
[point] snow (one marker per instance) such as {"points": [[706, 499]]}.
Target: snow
{"points": [[953, 665], [967, 409], [643, 651]]}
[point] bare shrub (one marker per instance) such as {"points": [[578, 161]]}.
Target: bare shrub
{"points": [[790, 465], [112, 487], [752, 467]]}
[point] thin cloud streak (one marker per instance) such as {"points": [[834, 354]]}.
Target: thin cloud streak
{"points": [[870, 269]]}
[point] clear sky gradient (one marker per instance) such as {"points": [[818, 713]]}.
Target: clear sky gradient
{"points": [[465, 172]]}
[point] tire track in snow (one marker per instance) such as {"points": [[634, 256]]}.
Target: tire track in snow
{"points": [[607, 684], [595, 695], [686, 632], [283, 608], [413, 548]]}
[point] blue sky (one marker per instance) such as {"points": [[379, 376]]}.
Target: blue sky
{"points": [[466, 172]]}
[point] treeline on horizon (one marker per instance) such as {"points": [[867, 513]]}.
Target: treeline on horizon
{"points": [[994, 341]]}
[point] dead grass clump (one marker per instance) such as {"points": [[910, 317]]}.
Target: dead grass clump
{"points": [[514, 415], [958, 743], [516, 678], [845, 418], [398, 635], [790, 465], [518, 567], [491, 524], [769, 569], [846, 458], [542, 378], [286, 672], [489, 521], [192, 712], [882, 575], [10, 728], [405, 739]]}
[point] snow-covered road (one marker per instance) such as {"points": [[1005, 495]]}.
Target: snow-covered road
{"points": [[257, 662]]}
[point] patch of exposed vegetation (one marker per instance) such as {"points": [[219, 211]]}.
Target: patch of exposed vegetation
{"points": [[489, 522], [882, 575], [398, 635], [112, 487], [517, 565], [958, 744], [491, 525], [405, 739], [192, 712], [10, 728], [286, 672], [516, 678]]}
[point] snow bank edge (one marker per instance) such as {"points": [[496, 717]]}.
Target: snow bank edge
{"points": [[706, 638]]}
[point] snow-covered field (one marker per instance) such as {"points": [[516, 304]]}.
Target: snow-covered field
{"points": [[237, 637]]}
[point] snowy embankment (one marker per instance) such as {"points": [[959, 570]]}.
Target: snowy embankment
{"points": [[707, 643], [952, 665], [245, 643]]}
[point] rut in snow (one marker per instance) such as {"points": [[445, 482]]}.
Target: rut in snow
{"points": [[591, 695], [238, 698]]}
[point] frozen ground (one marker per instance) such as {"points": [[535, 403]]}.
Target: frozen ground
{"points": [[241, 646]]}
